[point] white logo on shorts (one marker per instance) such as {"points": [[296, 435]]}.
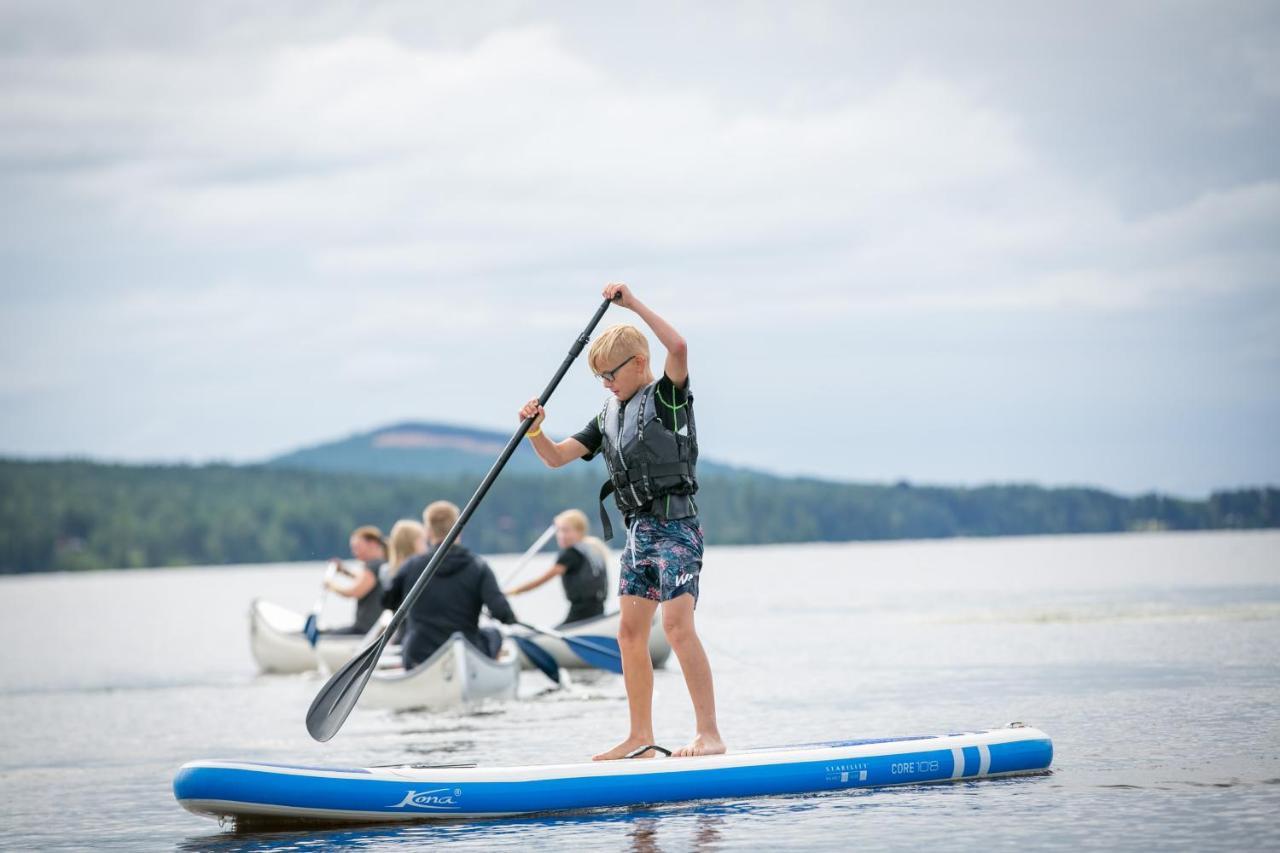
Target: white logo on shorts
{"points": [[683, 578]]}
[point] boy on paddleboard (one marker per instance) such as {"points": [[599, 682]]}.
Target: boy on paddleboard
{"points": [[646, 433]]}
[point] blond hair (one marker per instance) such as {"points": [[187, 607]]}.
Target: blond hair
{"points": [[405, 534], [616, 344], [439, 518], [575, 519], [601, 548]]}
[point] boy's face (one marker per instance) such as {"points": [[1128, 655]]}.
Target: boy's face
{"points": [[625, 380]]}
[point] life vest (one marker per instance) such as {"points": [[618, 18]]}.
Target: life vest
{"points": [[369, 606], [651, 468], [591, 582]]}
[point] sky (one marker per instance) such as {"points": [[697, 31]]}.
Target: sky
{"points": [[948, 243]]}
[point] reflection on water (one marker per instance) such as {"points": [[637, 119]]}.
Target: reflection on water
{"points": [[645, 830], [1153, 661]]}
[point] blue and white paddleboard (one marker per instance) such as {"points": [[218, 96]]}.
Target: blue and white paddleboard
{"points": [[251, 792]]}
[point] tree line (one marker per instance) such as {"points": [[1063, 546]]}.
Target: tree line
{"points": [[76, 515]]}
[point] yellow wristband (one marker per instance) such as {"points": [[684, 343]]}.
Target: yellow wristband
{"points": [[533, 434]]}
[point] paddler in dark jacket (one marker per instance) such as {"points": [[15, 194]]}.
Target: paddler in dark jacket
{"points": [[581, 567], [462, 584]]}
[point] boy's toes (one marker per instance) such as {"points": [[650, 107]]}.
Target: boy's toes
{"points": [[701, 745]]}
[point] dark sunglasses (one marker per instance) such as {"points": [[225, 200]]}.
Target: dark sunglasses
{"points": [[610, 375]]}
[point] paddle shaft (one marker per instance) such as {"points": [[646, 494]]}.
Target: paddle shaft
{"points": [[311, 627], [528, 555], [436, 558]]}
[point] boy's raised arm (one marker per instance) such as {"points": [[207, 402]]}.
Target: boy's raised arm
{"points": [[677, 364]]}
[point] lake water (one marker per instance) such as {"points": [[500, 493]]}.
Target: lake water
{"points": [[1153, 661]]}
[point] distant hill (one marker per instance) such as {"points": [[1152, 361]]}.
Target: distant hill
{"points": [[422, 449], [412, 449]]}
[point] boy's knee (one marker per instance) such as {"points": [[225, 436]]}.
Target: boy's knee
{"points": [[678, 630], [631, 634]]}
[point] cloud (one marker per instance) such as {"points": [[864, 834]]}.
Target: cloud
{"points": [[365, 158], [361, 194]]}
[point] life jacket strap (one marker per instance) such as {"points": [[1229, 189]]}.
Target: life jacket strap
{"points": [[644, 473], [606, 528], [647, 472]]}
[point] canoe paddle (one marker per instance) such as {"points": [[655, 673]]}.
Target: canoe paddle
{"points": [[600, 652], [527, 556], [539, 657], [333, 704], [311, 628]]}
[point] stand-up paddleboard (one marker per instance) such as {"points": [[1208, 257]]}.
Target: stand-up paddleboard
{"points": [[271, 793]]}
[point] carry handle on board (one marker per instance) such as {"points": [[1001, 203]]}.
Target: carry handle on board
{"points": [[333, 704]]}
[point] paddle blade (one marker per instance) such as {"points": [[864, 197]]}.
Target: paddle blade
{"points": [[311, 631], [539, 658], [601, 652], [333, 704]]}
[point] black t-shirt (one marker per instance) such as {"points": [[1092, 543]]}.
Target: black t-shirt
{"points": [[573, 562], [671, 411]]}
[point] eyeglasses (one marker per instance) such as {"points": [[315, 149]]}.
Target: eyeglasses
{"points": [[610, 375]]}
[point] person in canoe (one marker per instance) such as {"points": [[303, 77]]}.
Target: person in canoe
{"points": [[360, 581], [408, 538], [581, 567], [462, 585], [646, 433]]}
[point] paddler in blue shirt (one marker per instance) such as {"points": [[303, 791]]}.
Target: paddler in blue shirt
{"points": [[581, 567], [647, 436]]}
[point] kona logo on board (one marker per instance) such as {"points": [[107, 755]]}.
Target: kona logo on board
{"points": [[433, 799]]}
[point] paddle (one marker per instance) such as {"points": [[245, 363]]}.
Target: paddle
{"points": [[333, 704], [539, 658], [528, 555], [311, 628], [600, 652]]}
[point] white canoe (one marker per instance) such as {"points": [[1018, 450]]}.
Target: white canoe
{"points": [[600, 626], [278, 644], [458, 674], [334, 655]]}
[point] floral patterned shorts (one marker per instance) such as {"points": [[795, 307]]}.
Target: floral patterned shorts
{"points": [[662, 559]]}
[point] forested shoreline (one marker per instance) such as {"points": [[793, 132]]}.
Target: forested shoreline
{"points": [[79, 515]]}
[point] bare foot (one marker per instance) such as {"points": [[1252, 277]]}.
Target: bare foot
{"points": [[701, 745], [623, 749]]}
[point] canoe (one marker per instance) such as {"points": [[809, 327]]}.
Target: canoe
{"points": [[600, 626], [278, 644], [264, 794], [458, 674], [333, 655]]}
